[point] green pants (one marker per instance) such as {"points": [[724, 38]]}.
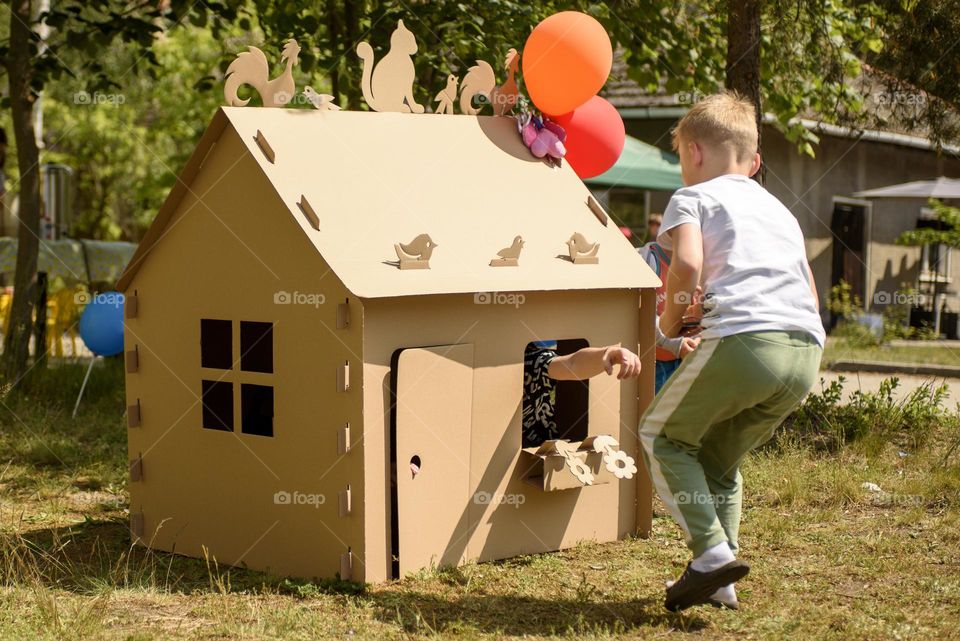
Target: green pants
{"points": [[727, 398]]}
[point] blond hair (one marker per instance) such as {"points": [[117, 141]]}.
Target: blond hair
{"points": [[726, 120]]}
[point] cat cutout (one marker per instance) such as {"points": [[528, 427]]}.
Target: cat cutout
{"points": [[388, 86]]}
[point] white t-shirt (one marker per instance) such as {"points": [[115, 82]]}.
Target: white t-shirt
{"points": [[754, 263]]}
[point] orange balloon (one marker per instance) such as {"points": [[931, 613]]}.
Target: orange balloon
{"points": [[566, 61]]}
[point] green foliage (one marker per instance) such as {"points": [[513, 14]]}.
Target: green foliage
{"points": [[949, 235], [825, 422]]}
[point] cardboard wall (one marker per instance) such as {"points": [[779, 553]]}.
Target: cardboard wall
{"points": [[501, 523], [228, 252]]}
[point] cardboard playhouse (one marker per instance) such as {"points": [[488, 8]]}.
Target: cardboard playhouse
{"points": [[325, 336]]}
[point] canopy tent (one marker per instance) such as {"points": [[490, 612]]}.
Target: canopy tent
{"points": [[85, 261], [941, 187], [641, 166]]}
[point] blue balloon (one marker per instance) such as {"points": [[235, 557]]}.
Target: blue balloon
{"points": [[101, 325]]}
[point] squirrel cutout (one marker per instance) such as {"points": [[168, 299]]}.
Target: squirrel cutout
{"points": [[388, 86], [509, 256], [446, 96], [251, 68], [415, 254]]}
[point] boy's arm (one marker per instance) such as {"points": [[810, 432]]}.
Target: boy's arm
{"points": [[683, 276], [588, 362]]}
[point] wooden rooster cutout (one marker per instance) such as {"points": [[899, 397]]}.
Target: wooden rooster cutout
{"points": [[388, 86], [320, 101], [251, 68], [582, 252], [415, 254], [479, 81], [504, 97], [509, 256], [446, 97]]}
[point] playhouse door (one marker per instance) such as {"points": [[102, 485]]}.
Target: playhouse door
{"points": [[434, 401]]}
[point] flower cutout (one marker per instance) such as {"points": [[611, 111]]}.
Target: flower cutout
{"points": [[580, 470], [620, 465]]}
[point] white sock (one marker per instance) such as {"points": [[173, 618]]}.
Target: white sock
{"points": [[713, 557], [726, 595]]}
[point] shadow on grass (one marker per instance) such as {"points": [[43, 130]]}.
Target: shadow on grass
{"points": [[96, 556]]}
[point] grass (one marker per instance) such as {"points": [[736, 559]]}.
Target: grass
{"points": [[842, 349], [830, 559]]}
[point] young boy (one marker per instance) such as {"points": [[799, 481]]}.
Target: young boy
{"points": [[761, 342], [542, 367]]}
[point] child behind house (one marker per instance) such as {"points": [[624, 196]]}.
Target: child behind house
{"points": [[669, 351], [761, 342], [542, 367]]}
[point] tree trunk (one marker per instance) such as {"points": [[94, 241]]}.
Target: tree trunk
{"points": [[743, 57], [22, 98]]}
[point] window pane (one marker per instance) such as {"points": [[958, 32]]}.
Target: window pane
{"points": [[216, 343], [218, 405], [257, 407], [256, 347]]}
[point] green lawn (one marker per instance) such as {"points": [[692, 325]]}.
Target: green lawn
{"points": [[830, 560], [841, 349]]}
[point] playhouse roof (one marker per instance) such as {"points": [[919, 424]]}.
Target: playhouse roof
{"points": [[376, 179]]}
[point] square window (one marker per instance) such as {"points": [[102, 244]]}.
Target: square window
{"points": [[218, 405], [256, 403], [216, 343], [256, 347], [552, 409]]}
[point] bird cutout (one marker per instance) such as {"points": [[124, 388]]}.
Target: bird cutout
{"points": [[251, 68], [582, 252], [617, 462], [504, 97], [446, 96], [321, 101], [509, 256], [416, 254], [388, 86], [478, 82]]}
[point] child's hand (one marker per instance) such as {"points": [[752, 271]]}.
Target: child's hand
{"points": [[628, 361], [688, 344]]}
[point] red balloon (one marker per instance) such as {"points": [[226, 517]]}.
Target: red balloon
{"points": [[595, 137]]}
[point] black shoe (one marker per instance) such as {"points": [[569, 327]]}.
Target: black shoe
{"points": [[693, 587]]}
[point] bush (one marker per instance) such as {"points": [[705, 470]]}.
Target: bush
{"points": [[824, 422]]}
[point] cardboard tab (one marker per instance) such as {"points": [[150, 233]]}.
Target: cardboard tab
{"points": [[136, 469], [346, 565], [130, 305], [346, 502], [343, 439], [343, 315], [265, 147], [597, 210], [133, 414], [133, 360], [343, 377], [309, 212], [136, 525]]}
